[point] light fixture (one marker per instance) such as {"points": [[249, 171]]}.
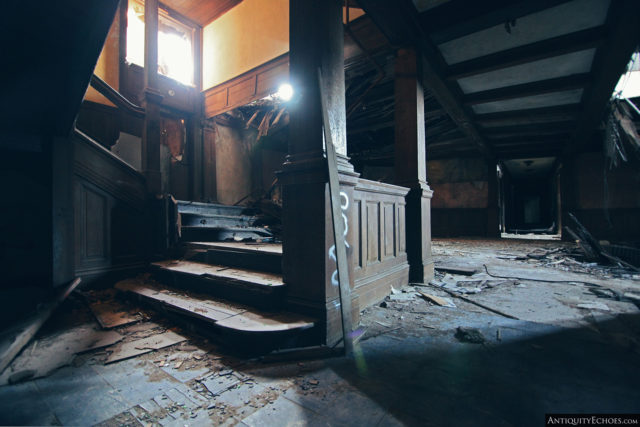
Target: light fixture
{"points": [[285, 92]]}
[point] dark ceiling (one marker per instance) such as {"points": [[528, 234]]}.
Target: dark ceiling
{"points": [[504, 79]]}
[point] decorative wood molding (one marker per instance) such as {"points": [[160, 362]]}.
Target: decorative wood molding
{"points": [[247, 87]]}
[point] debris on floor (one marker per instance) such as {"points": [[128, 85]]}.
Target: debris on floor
{"points": [[470, 335], [441, 301], [108, 312], [149, 372], [18, 335], [130, 349], [45, 355]]}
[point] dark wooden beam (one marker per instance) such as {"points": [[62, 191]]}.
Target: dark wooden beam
{"points": [[510, 145], [449, 142], [558, 127], [528, 154], [527, 139], [458, 18], [400, 23], [492, 137], [575, 81], [555, 46], [609, 64], [530, 116]]}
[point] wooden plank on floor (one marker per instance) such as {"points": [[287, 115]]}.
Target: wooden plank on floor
{"points": [[221, 272], [14, 340], [465, 271], [135, 348], [111, 314]]}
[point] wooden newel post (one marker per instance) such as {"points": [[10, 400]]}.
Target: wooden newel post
{"points": [[309, 259]]}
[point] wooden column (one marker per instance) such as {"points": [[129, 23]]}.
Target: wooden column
{"points": [[195, 129], [152, 101], [411, 162], [315, 41], [493, 213]]}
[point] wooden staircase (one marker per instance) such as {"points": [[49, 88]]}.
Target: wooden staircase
{"points": [[232, 289]]}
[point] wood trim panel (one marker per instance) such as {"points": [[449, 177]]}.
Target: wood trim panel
{"points": [[247, 87], [380, 258]]}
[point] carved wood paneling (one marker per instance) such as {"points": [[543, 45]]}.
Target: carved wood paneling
{"points": [[379, 246], [108, 209]]}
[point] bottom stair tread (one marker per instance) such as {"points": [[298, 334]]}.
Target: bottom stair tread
{"points": [[220, 272], [222, 314]]}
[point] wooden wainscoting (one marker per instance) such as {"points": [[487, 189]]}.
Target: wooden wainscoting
{"points": [[109, 200], [379, 251], [250, 86]]}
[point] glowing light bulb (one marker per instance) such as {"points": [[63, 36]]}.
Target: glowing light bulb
{"points": [[285, 92]]}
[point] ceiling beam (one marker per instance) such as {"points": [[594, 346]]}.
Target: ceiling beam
{"points": [[458, 18], [528, 155], [574, 81], [609, 64], [574, 42], [531, 116], [400, 23], [507, 144], [560, 127], [526, 139], [493, 138]]}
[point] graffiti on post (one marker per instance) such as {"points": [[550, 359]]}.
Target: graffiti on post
{"points": [[344, 205]]}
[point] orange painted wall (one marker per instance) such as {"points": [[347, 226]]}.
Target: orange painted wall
{"points": [[245, 37], [107, 67]]}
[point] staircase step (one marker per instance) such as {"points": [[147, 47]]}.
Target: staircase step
{"points": [[260, 289], [220, 234], [200, 208], [215, 221], [255, 256], [226, 315]]}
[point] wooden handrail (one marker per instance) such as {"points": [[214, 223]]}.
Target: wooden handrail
{"points": [[116, 97], [107, 153]]}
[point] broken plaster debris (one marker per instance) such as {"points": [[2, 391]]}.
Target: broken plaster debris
{"points": [[145, 345]]}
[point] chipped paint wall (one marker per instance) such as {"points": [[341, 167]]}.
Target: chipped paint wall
{"points": [[594, 198], [460, 196], [233, 164], [245, 37]]}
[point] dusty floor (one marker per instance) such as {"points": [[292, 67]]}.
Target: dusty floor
{"points": [[568, 344]]}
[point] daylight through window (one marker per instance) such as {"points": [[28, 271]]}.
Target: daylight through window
{"points": [[175, 44]]}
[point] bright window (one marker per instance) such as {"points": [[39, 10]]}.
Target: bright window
{"points": [[175, 44]]}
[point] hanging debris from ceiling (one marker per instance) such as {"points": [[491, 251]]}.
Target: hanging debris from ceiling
{"points": [[266, 115], [620, 129]]}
